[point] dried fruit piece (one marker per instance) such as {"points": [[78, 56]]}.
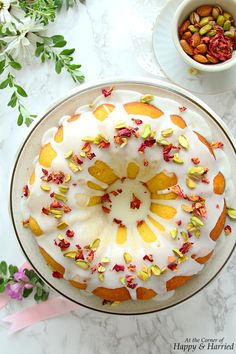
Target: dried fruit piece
{"points": [[200, 58], [204, 10], [202, 48]]}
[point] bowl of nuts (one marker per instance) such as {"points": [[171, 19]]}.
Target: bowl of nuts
{"points": [[205, 36]]}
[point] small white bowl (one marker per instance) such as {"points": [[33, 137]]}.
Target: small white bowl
{"points": [[182, 12]]}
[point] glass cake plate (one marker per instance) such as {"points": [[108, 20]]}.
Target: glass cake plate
{"points": [[23, 166]]}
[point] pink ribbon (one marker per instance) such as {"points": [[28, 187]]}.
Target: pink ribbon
{"points": [[39, 312]]}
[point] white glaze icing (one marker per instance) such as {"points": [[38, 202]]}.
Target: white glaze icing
{"points": [[90, 223]]}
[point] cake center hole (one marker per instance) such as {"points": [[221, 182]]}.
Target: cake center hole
{"points": [[126, 202]]}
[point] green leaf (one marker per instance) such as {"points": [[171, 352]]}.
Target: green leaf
{"points": [[67, 51], [15, 65], [27, 292], [2, 66], [2, 287], [12, 269], [20, 119], [4, 84], [21, 91], [60, 44], [39, 291], [58, 67], [57, 38], [74, 66], [45, 295], [39, 50], [3, 268], [13, 101], [28, 121]]}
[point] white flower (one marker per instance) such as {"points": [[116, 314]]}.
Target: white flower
{"points": [[5, 7], [22, 45]]}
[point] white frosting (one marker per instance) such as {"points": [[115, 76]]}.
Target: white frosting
{"points": [[90, 223]]}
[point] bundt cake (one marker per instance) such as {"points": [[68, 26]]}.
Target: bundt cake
{"points": [[126, 198]]}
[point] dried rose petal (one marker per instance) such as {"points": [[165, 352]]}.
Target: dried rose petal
{"points": [[217, 145], [182, 109], [221, 47], [106, 210], [45, 211], [56, 205], [63, 244], [227, 230], [104, 145], [70, 233], [131, 267], [107, 93], [135, 202], [195, 160], [148, 257], [185, 247], [105, 198], [137, 121], [25, 191], [118, 268], [57, 275], [172, 266]]}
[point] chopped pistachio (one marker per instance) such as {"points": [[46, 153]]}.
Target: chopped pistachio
{"points": [[184, 235], [182, 259], [197, 233], [45, 187], [155, 270], [105, 260], [101, 277], [73, 166], [177, 253], [62, 225], [174, 233], [196, 171], [167, 132], [70, 254], [101, 269], [190, 183], [82, 264], [122, 280], [146, 98], [125, 142], [67, 178], [143, 275], [115, 303], [83, 154], [127, 258], [88, 139], [63, 189], [177, 158], [91, 105], [183, 142], [186, 208], [95, 244], [68, 154], [56, 212], [231, 213], [146, 131], [120, 124], [163, 142], [60, 197], [190, 227], [60, 237], [196, 221]]}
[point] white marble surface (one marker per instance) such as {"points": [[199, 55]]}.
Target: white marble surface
{"points": [[101, 32]]}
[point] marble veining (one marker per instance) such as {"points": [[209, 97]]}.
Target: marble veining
{"points": [[102, 33]]}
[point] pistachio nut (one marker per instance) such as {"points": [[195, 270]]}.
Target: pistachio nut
{"points": [[63, 189], [217, 11], [167, 132], [220, 20], [67, 178], [183, 141], [155, 270], [211, 33], [68, 154], [193, 29], [146, 98], [190, 183], [60, 197], [70, 254], [231, 213], [62, 225], [194, 18], [120, 124], [204, 21], [127, 258], [163, 142], [95, 244], [45, 187], [227, 16], [174, 233], [82, 264], [177, 158], [196, 221], [146, 131], [105, 260], [227, 25], [205, 29]]}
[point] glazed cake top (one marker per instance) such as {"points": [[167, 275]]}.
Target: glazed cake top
{"points": [[122, 193]]}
